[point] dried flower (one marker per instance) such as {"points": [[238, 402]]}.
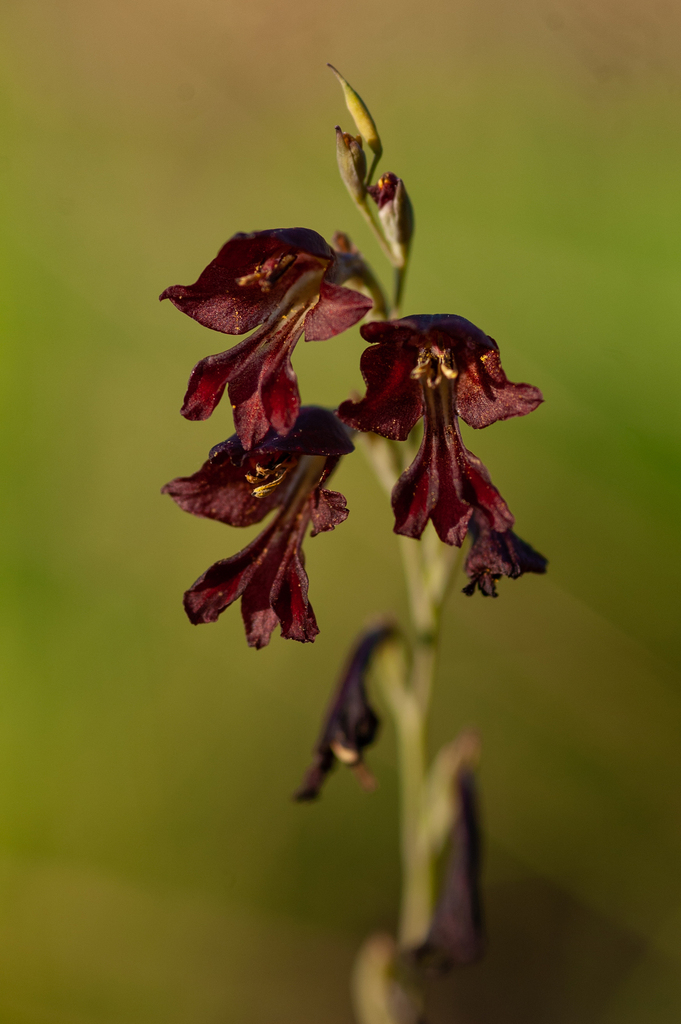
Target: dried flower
{"points": [[456, 933], [283, 282], [351, 723], [240, 488]]}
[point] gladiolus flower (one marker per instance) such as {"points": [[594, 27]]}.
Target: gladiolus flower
{"points": [[240, 488], [439, 368], [283, 282]]}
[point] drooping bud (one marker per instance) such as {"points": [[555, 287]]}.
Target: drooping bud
{"points": [[456, 933], [351, 723], [352, 163], [360, 115], [396, 215]]}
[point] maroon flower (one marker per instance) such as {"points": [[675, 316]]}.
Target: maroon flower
{"points": [[494, 554], [456, 933], [284, 281], [438, 367], [350, 724], [240, 488]]}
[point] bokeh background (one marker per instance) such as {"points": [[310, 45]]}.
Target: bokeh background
{"points": [[152, 865]]}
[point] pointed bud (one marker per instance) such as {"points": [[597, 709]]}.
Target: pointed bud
{"points": [[456, 933], [351, 723], [396, 214], [360, 115], [352, 163]]}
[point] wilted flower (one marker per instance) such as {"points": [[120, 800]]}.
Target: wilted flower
{"points": [[350, 724], [494, 554], [438, 367], [456, 934], [240, 488], [284, 281]]}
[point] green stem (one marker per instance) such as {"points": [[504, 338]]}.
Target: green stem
{"points": [[385, 248]]}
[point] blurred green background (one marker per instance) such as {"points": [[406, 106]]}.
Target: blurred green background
{"points": [[152, 865]]}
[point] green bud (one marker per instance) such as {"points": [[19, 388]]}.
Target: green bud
{"points": [[352, 163], [360, 115]]}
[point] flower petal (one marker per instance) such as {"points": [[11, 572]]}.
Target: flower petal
{"points": [[393, 403], [219, 490], [317, 431], [484, 394], [263, 388], [225, 581], [337, 310], [445, 482], [494, 554], [218, 300], [328, 510]]}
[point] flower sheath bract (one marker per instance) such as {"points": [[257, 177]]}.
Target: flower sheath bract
{"points": [[283, 282], [239, 488]]}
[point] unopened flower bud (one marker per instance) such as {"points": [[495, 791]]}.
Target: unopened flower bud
{"points": [[395, 213], [352, 163], [360, 115]]}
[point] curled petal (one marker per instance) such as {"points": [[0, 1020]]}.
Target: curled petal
{"points": [[328, 510], [337, 310], [485, 395], [394, 402], [247, 281]]}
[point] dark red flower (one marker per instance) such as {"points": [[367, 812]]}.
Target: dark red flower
{"points": [[439, 368], [456, 933], [494, 554], [240, 488], [350, 723], [284, 282]]}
